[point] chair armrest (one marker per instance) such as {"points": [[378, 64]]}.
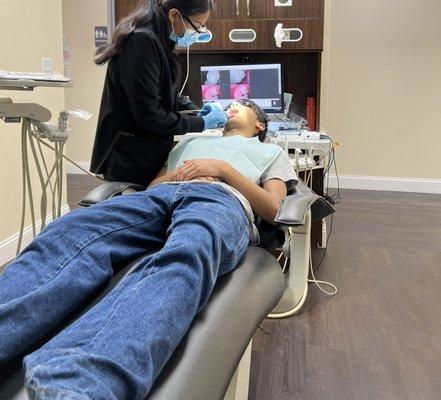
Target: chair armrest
{"points": [[107, 191], [294, 208]]}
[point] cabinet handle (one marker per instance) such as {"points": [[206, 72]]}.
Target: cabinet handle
{"points": [[248, 7], [237, 7]]}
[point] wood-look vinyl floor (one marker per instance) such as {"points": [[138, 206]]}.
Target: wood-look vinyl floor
{"points": [[380, 336]]}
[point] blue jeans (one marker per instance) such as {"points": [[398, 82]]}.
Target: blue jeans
{"points": [[188, 236]]}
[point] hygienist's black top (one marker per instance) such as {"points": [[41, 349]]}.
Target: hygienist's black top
{"points": [[138, 116]]}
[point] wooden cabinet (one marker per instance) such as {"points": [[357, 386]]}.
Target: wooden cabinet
{"points": [[227, 10], [255, 9], [312, 39], [262, 16], [312, 35], [246, 9], [221, 36], [299, 9], [124, 8], [266, 9]]}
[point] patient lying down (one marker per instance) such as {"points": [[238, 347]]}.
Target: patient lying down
{"points": [[190, 227]]}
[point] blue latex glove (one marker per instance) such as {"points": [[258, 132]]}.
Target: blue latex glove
{"points": [[209, 107], [214, 119]]}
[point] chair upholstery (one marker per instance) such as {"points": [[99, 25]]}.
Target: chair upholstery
{"points": [[202, 366]]}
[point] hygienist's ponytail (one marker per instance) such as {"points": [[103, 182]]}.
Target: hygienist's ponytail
{"points": [[153, 13]]}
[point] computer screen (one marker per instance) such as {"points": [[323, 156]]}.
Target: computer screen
{"points": [[261, 83]]}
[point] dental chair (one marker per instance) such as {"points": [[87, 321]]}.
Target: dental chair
{"points": [[213, 360]]}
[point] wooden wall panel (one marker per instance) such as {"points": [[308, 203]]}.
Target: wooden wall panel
{"points": [[124, 8], [226, 10]]}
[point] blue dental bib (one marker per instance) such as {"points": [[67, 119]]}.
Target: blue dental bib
{"points": [[249, 156]]}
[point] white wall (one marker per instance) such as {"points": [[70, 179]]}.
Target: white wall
{"points": [[29, 30], [79, 19], [382, 86]]}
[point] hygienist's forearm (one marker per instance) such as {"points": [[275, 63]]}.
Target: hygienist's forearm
{"points": [[263, 203]]}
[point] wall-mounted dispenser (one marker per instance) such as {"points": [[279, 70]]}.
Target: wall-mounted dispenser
{"points": [[282, 35], [243, 35], [205, 37], [283, 3]]}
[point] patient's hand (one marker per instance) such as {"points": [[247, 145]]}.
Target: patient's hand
{"points": [[206, 178], [198, 178], [194, 169]]}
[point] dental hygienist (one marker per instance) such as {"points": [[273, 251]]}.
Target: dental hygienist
{"points": [[141, 102]]}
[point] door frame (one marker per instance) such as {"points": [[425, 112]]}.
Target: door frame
{"points": [[111, 17]]}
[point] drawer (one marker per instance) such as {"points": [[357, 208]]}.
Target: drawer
{"points": [[266, 9], [299, 9], [312, 35], [221, 36]]}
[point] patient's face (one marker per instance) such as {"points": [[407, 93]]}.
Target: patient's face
{"points": [[243, 118]]}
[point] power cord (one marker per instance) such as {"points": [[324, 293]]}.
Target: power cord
{"points": [[334, 199], [188, 71], [320, 283], [314, 280], [327, 244], [68, 159]]}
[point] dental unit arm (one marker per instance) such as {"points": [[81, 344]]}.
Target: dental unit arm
{"points": [[59, 133], [36, 132]]}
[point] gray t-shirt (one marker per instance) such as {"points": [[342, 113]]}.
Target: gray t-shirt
{"points": [[281, 168]]}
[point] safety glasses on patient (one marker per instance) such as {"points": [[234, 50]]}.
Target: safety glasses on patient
{"points": [[250, 104]]}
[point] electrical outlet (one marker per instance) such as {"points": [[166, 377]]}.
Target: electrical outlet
{"points": [[46, 65]]}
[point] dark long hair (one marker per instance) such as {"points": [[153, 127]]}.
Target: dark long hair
{"points": [[154, 14]]}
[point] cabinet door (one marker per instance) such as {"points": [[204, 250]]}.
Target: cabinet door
{"points": [[299, 9], [256, 9], [221, 36], [224, 9], [267, 9], [227, 10]]}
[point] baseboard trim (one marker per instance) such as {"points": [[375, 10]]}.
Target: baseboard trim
{"points": [[412, 185], [9, 246], [389, 184], [71, 169]]}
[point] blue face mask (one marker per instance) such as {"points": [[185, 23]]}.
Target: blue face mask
{"points": [[190, 37]]}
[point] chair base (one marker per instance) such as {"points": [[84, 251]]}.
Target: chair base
{"points": [[296, 280], [239, 386]]}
